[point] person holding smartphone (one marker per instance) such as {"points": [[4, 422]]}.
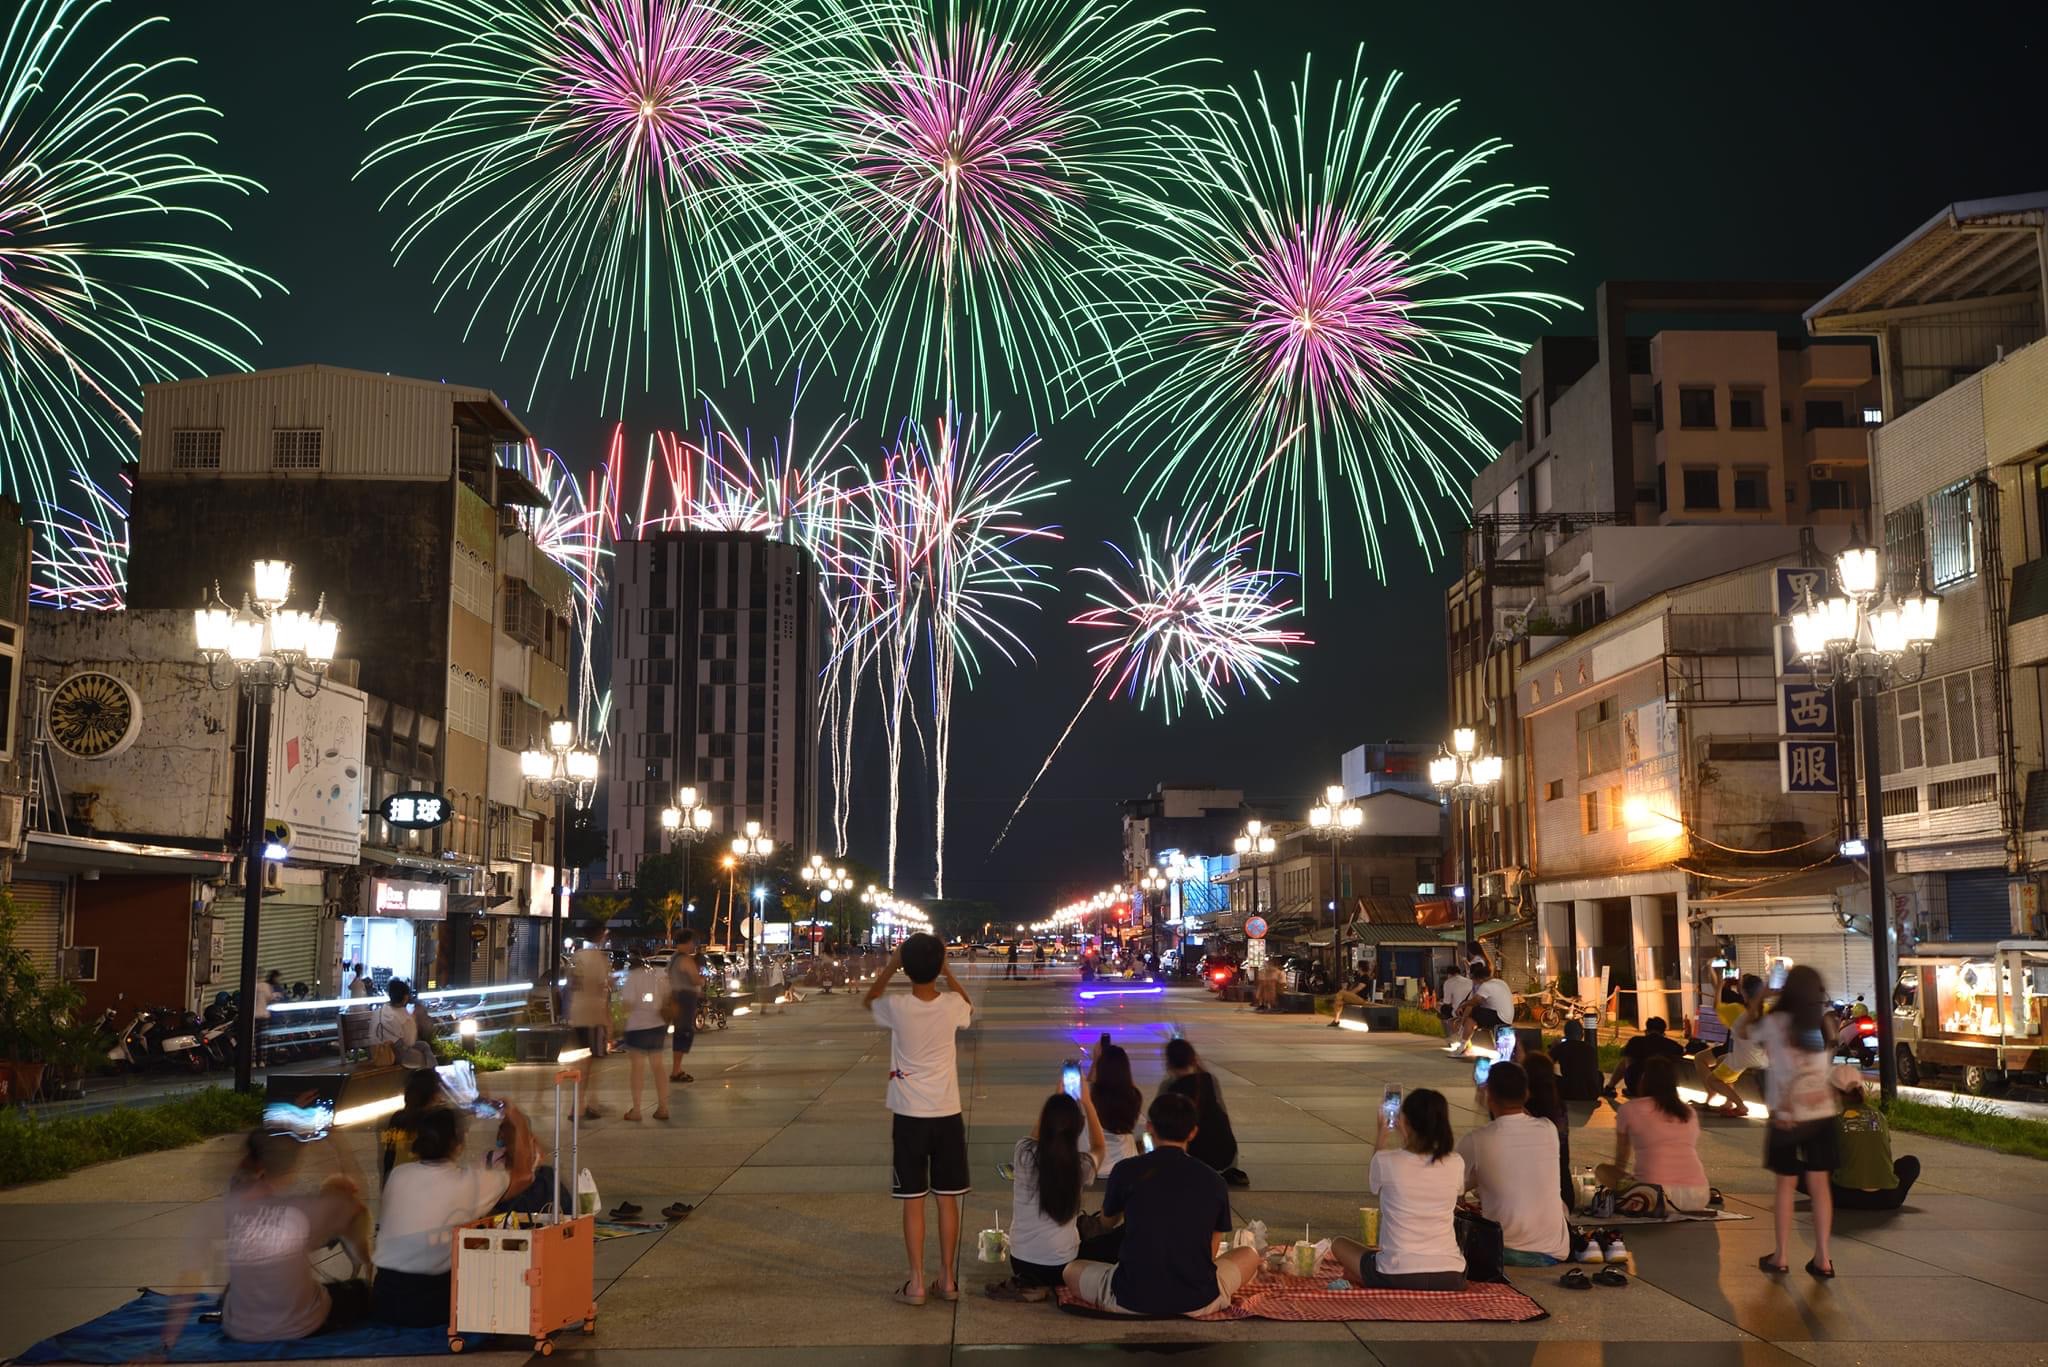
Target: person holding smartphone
{"points": [[1051, 1170], [1418, 1176]]}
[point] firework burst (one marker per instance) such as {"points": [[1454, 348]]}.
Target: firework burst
{"points": [[1326, 354], [79, 556], [612, 174], [97, 179]]}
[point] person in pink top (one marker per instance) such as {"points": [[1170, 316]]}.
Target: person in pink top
{"points": [[1657, 1139]]}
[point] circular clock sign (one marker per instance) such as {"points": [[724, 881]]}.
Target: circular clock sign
{"points": [[1255, 927], [94, 715]]}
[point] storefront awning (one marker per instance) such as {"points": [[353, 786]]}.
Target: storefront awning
{"points": [[79, 852], [472, 904], [1484, 928]]}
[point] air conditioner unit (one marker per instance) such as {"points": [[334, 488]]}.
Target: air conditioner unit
{"points": [[501, 884], [79, 964], [1819, 471]]}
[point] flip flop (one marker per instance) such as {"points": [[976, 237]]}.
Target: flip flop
{"points": [[946, 1295], [1576, 1280], [903, 1297], [1775, 1269], [1609, 1276], [624, 1209], [1813, 1270], [676, 1210]]}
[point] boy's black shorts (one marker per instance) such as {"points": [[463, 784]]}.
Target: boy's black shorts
{"points": [[931, 1157]]}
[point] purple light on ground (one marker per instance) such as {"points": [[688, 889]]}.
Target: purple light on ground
{"points": [[1089, 994]]}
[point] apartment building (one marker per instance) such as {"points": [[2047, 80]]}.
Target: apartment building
{"points": [[1960, 470], [396, 500], [1193, 818], [717, 644]]}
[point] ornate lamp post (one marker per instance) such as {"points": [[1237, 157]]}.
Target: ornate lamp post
{"points": [[753, 849], [686, 823], [1465, 775], [825, 881], [1866, 636], [566, 772], [1154, 886], [1336, 819], [1254, 841], [1178, 871], [264, 647]]}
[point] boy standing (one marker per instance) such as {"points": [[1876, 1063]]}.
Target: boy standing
{"points": [[924, 1094]]}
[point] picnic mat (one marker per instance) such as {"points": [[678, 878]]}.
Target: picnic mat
{"points": [[1281, 1296], [135, 1333]]}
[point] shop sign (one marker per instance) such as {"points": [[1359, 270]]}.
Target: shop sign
{"points": [[1255, 927], [478, 931], [1807, 709], [391, 897], [414, 811], [1810, 766]]}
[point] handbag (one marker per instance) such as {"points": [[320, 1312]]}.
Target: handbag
{"points": [[671, 1009], [1484, 1247], [1642, 1199]]}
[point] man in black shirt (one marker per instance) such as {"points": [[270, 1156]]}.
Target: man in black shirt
{"points": [[1176, 1214], [1652, 1043], [1578, 1065]]}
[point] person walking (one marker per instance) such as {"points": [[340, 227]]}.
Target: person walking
{"points": [[1010, 968], [647, 991], [686, 989], [1802, 1143], [590, 1012], [1038, 960]]}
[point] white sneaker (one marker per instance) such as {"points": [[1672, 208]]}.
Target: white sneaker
{"points": [[1589, 1252], [1616, 1250]]}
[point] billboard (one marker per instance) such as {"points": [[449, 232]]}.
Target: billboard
{"points": [[316, 772]]}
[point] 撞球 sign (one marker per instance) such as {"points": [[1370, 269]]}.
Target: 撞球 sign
{"points": [[414, 811]]}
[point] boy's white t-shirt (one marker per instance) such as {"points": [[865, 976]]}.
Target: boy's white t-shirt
{"points": [[1457, 987], [924, 1075]]}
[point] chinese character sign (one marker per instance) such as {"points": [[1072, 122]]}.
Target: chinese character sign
{"points": [[1808, 709], [1790, 582], [1810, 766]]}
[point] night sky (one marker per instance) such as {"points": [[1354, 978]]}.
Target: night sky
{"points": [[1747, 141]]}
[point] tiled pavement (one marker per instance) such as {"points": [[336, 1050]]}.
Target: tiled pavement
{"points": [[794, 1246]]}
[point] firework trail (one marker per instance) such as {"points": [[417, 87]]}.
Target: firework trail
{"points": [[624, 178], [976, 156], [96, 172], [1320, 270], [79, 558], [1188, 618], [569, 530]]}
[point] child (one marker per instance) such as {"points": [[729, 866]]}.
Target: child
{"points": [[924, 1094], [1052, 1167]]}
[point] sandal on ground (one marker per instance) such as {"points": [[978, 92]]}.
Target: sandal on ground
{"points": [[633, 1114], [680, 1077], [1610, 1276], [1813, 1269], [661, 1114], [624, 1209], [1576, 1279], [591, 1113], [951, 1293], [1236, 1177], [1775, 1269], [903, 1296], [1016, 1292], [677, 1210]]}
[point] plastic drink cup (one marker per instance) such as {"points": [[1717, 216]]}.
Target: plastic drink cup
{"points": [[1369, 1226], [990, 1246], [1304, 1259]]}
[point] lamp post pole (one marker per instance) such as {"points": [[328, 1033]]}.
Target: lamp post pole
{"points": [[686, 822], [1464, 775], [1864, 633], [1254, 840], [1336, 819], [752, 849], [263, 647], [566, 772]]}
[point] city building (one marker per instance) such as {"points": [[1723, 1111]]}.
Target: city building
{"points": [[1956, 310], [1192, 818], [1695, 432], [1307, 885], [717, 645], [398, 501], [1387, 766]]}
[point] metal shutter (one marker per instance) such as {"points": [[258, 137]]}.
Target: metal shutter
{"points": [[288, 941], [1842, 960], [1978, 906], [41, 932]]}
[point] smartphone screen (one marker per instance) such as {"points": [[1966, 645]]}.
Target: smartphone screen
{"points": [[1480, 1070], [1390, 1105], [1070, 1079], [1504, 1042], [1778, 972]]}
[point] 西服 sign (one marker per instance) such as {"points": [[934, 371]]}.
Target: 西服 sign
{"points": [[1810, 766]]}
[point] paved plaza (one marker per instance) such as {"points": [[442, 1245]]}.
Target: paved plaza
{"points": [[795, 1244]]}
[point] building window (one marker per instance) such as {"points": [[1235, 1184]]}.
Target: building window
{"points": [[1696, 408], [1382, 885], [1905, 544], [1657, 406], [1553, 790], [1591, 805], [1951, 542], [195, 448], [1528, 421], [1599, 738], [470, 584], [1702, 486], [10, 677], [1663, 490], [1873, 417], [1824, 495], [469, 704], [1745, 409], [1589, 610], [1826, 413], [295, 448], [1752, 488]]}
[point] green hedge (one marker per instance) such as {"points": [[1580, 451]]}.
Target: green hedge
{"points": [[483, 1058], [34, 1150], [1971, 1122]]}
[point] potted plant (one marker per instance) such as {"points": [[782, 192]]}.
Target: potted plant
{"points": [[24, 1013]]}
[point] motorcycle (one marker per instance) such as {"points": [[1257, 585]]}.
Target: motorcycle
{"points": [[160, 1037], [217, 1030], [1857, 1042]]}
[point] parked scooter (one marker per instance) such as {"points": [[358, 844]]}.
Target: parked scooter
{"points": [[160, 1037]]}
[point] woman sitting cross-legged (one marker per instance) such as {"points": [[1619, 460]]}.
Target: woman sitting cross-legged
{"points": [[426, 1201], [1051, 1170], [1418, 1177], [1657, 1139]]}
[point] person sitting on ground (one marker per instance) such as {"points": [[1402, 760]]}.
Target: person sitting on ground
{"points": [[1118, 1104], [1740, 1008], [1489, 1005], [1418, 1177], [1866, 1176], [395, 1034], [646, 1040], [1176, 1214], [1657, 1139], [272, 1233], [1577, 1063], [1652, 1043], [426, 1201], [1547, 1103], [1215, 1142], [1051, 1167], [1450, 1000], [423, 1092], [1512, 1164]]}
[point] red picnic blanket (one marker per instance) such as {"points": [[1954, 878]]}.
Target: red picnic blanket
{"points": [[1282, 1296]]}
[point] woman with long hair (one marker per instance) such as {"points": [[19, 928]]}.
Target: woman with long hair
{"points": [[1118, 1103], [424, 1203], [1051, 1168], [1215, 1142], [1801, 1144], [1657, 1139], [1546, 1101], [1418, 1176]]}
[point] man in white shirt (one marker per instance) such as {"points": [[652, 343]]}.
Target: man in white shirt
{"points": [[590, 1012], [1489, 1005], [360, 985], [393, 1027], [930, 1137], [1512, 1164], [1457, 989]]}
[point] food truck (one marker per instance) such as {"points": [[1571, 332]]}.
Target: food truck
{"points": [[1976, 1010]]}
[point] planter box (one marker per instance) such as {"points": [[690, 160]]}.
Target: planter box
{"points": [[539, 1043]]}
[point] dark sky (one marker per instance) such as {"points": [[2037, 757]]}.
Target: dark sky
{"points": [[1746, 141]]}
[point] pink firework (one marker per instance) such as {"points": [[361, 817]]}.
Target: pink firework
{"points": [[1325, 307], [661, 89], [959, 116]]}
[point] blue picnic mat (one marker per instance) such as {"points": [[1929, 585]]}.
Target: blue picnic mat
{"points": [[135, 1333]]}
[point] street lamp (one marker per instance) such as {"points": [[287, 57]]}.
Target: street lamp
{"points": [[753, 849], [264, 647], [825, 880], [1254, 841], [1335, 819], [686, 823], [1865, 635], [566, 772], [1465, 774]]}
